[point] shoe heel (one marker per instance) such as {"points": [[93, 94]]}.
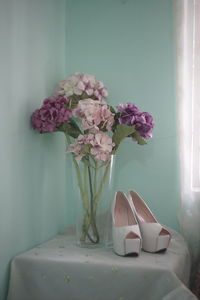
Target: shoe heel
{"points": [[132, 246], [149, 244], [155, 244], [162, 243], [154, 236], [125, 229]]}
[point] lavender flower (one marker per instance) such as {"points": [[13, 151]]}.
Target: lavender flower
{"points": [[52, 114], [130, 115]]}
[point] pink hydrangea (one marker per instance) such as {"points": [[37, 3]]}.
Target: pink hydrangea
{"points": [[100, 92], [93, 114], [82, 83], [102, 146], [77, 147], [52, 114], [100, 143]]}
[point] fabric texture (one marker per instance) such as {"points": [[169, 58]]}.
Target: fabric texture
{"points": [[196, 282], [187, 21], [60, 270], [188, 75]]}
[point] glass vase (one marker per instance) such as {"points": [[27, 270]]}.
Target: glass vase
{"points": [[94, 192]]}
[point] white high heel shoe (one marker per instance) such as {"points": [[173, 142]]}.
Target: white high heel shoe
{"points": [[125, 229], [154, 236]]}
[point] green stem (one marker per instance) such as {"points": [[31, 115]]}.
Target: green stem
{"points": [[86, 207], [92, 215], [94, 199], [84, 196], [89, 218], [103, 181], [95, 178], [78, 173]]}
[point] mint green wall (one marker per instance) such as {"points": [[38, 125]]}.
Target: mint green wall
{"points": [[32, 172], [128, 44]]}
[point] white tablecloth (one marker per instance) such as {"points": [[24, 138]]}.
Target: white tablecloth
{"points": [[60, 270]]}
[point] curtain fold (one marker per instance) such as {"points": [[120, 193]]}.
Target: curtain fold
{"points": [[187, 26]]}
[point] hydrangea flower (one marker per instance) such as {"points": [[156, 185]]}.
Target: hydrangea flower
{"points": [[77, 147], [100, 143], [93, 114], [102, 146], [130, 115], [127, 113], [52, 114], [144, 124], [70, 86], [93, 132], [81, 83]]}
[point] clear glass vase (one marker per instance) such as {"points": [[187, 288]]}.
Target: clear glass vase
{"points": [[94, 192]]}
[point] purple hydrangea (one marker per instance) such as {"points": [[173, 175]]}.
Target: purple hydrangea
{"points": [[132, 116], [127, 113], [52, 114], [144, 124]]}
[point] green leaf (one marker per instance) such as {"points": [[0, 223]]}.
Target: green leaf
{"points": [[120, 133], [75, 125], [137, 137], [86, 149], [72, 129], [112, 109], [73, 101], [86, 161]]}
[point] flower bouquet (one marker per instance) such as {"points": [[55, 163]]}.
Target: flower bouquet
{"points": [[93, 130]]}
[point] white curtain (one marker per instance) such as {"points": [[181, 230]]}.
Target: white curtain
{"points": [[187, 24]]}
